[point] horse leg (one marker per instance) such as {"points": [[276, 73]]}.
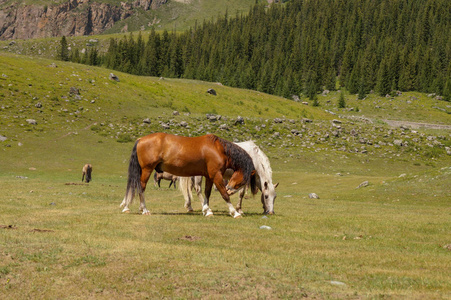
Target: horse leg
{"points": [[144, 178], [240, 202], [185, 186], [222, 190], [205, 206], [197, 184]]}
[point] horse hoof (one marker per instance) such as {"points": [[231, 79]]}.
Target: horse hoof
{"points": [[126, 211], [209, 214], [190, 210], [237, 215], [146, 212]]}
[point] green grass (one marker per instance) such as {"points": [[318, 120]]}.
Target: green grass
{"points": [[63, 239]]}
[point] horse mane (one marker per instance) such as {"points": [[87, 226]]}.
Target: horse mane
{"points": [[261, 161], [239, 158]]}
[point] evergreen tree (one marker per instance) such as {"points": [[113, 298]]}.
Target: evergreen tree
{"points": [[341, 101], [383, 85], [63, 52]]}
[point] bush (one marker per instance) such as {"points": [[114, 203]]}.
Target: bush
{"points": [[124, 138]]}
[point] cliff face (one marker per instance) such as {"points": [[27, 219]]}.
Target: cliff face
{"points": [[74, 18]]}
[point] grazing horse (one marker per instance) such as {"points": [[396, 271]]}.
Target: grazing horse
{"points": [[157, 176], [209, 156], [263, 179], [87, 170]]}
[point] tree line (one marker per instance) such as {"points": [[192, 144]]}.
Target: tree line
{"points": [[302, 46]]}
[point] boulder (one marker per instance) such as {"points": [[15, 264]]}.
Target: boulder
{"points": [[313, 196], [113, 77]]}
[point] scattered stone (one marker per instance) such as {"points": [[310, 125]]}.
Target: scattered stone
{"points": [[4, 138], [313, 196], [397, 142], [22, 177], [278, 120], [184, 124], [224, 127], [113, 77], [31, 121], [265, 227], [211, 92], [175, 113], [363, 184], [38, 105], [74, 91], [448, 247], [239, 120], [305, 103], [296, 98], [146, 120], [53, 65], [165, 125], [333, 282]]}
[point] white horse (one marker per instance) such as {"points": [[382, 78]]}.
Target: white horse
{"points": [[263, 178]]}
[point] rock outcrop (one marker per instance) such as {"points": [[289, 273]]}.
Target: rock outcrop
{"points": [[73, 18]]}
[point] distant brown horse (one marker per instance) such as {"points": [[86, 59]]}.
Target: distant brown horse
{"points": [[87, 170], [206, 155], [157, 176]]}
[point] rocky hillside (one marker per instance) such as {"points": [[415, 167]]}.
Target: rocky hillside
{"points": [[71, 18]]}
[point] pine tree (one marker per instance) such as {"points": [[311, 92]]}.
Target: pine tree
{"points": [[383, 85], [341, 101], [64, 52]]}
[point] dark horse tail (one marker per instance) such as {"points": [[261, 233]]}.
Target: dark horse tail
{"points": [[134, 176]]}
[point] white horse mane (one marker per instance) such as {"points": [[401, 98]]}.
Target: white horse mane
{"points": [[261, 161]]}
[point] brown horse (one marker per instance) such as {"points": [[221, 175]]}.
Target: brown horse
{"points": [[206, 155], [157, 176], [87, 170]]}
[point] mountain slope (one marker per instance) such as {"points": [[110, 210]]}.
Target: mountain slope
{"points": [[32, 19]]}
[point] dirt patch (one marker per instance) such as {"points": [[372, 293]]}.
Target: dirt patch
{"points": [[190, 238], [416, 125], [41, 230], [8, 226]]}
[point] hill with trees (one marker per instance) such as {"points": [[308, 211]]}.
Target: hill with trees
{"points": [[302, 47]]}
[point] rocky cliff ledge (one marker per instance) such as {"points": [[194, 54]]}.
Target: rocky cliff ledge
{"points": [[73, 18]]}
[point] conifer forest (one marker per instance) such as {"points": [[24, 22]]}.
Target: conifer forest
{"points": [[301, 47]]}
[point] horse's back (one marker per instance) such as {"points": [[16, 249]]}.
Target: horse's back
{"points": [[179, 155]]}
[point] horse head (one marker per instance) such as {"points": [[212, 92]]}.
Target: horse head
{"points": [[238, 180], [268, 197]]}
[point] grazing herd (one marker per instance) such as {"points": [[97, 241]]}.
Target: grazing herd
{"points": [[228, 166]]}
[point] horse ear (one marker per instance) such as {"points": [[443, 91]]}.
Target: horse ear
{"points": [[276, 185]]}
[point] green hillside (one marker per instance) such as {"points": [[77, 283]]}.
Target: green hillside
{"points": [[61, 238]]}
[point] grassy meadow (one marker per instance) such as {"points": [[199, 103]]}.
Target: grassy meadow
{"points": [[64, 239]]}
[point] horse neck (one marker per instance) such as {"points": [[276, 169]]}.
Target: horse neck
{"points": [[261, 164]]}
